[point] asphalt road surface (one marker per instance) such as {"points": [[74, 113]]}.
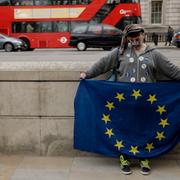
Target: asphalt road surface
{"points": [[72, 55]]}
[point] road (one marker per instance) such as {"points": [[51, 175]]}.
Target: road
{"points": [[72, 55]]}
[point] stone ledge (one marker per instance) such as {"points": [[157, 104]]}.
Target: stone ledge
{"points": [[41, 70], [36, 107]]}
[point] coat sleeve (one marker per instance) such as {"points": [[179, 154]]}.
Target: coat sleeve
{"points": [[165, 70], [104, 65]]}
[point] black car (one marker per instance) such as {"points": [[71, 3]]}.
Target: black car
{"points": [[176, 39], [95, 36]]}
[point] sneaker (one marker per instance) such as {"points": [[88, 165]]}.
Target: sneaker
{"points": [[125, 165], [145, 168]]}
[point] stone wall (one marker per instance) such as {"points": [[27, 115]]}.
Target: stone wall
{"points": [[172, 13], [36, 107]]}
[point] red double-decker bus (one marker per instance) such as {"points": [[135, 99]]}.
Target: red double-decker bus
{"points": [[48, 23]]}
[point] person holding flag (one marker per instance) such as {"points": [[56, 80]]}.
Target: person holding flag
{"points": [[137, 63]]}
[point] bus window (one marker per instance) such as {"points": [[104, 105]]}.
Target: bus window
{"points": [[60, 26], [64, 2], [5, 2], [22, 27], [56, 2], [42, 2], [26, 2], [75, 2], [19, 27], [45, 27], [129, 1], [37, 27], [15, 2], [79, 1], [40, 27], [29, 28]]}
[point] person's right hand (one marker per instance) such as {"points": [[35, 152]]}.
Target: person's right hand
{"points": [[82, 75]]}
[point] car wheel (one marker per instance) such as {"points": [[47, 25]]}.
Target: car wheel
{"points": [[8, 47], [81, 46], [107, 48]]}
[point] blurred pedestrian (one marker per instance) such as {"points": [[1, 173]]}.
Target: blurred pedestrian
{"points": [[169, 35], [155, 38]]}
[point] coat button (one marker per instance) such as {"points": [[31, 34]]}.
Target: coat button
{"points": [[141, 58], [133, 79], [143, 79], [131, 60], [143, 66]]}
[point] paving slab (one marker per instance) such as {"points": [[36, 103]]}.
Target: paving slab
{"points": [[8, 165], [43, 168], [107, 175], [39, 174], [81, 168], [95, 164]]}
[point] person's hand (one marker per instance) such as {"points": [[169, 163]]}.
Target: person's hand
{"points": [[82, 75]]}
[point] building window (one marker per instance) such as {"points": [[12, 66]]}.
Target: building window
{"points": [[156, 12]]}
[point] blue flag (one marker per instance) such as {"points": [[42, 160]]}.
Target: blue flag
{"points": [[141, 120]]}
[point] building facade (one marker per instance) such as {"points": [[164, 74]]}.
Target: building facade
{"points": [[157, 15]]}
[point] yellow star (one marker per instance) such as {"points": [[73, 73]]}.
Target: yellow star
{"points": [[134, 150], [110, 105], [120, 96], [152, 98], [109, 132], [119, 144], [149, 147], [136, 94], [160, 136], [161, 109], [106, 118], [164, 123]]}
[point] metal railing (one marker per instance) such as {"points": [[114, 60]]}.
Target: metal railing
{"points": [[161, 37]]}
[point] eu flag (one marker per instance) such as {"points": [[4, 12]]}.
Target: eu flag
{"points": [[141, 120]]}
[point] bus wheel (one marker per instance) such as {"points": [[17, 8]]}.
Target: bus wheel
{"points": [[8, 47], [81, 46], [26, 45]]}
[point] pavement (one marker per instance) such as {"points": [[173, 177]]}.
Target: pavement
{"points": [[161, 45], [25, 167]]}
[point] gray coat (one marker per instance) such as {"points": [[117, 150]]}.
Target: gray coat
{"points": [[149, 66]]}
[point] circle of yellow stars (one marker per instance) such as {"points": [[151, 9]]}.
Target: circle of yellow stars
{"points": [[136, 94]]}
